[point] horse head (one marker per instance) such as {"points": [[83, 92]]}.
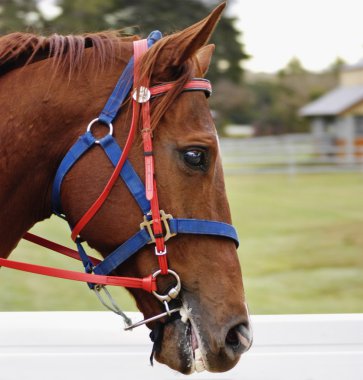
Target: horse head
{"points": [[212, 329]]}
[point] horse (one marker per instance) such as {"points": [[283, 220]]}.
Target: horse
{"points": [[51, 88]]}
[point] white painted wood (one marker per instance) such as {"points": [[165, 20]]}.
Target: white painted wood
{"points": [[93, 346]]}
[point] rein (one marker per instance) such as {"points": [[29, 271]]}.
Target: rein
{"points": [[156, 227]]}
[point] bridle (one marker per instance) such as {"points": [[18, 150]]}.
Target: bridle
{"points": [[157, 226]]}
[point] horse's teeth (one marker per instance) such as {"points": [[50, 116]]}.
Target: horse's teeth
{"points": [[199, 362]]}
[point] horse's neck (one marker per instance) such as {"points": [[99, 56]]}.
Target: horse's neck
{"points": [[37, 127]]}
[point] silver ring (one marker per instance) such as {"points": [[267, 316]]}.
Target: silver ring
{"points": [[173, 292], [109, 125]]}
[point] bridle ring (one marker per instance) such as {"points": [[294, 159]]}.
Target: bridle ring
{"points": [[109, 125], [173, 292]]}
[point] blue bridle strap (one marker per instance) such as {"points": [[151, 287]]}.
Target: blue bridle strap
{"points": [[113, 151], [123, 86], [203, 227], [83, 144], [177, 226], [128, 174]]}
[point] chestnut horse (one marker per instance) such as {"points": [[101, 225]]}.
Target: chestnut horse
{"points": [[51, 88]]}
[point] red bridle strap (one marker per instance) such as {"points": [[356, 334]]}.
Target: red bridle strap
{"points": [[194, 84], [147, 283], [57, 247], [140, 47]]}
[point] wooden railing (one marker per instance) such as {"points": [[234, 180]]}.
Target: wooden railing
{"points": [[290, 154]]}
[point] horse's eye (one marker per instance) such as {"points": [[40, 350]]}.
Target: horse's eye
{"points": [[196, 158]]}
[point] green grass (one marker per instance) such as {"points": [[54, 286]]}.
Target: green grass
{"points": [[301, 249], [301, 241]]}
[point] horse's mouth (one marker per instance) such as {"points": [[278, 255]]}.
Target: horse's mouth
{"points": [[197, 359], [187, 356], [186, 344]]}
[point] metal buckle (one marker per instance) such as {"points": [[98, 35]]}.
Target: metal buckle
{"points": [[148, 225]]}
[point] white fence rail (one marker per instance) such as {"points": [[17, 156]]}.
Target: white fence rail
{"points": [[289, 154], [93, 346]]}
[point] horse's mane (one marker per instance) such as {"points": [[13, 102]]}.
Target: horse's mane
{"points": [[20, 49]]}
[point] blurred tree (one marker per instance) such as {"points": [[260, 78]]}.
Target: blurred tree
{"points": [[293, 67], [19, 15], [277, 98], [143, 16], [138, 16], [336, 66]]}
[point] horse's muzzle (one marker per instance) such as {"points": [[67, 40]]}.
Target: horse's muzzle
{"points": [[202, 345]]}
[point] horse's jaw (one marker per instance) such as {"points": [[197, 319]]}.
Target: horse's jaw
{"points": [[187, 346]]}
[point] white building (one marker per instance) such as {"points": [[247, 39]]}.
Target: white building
{"points": [[337, 117]]}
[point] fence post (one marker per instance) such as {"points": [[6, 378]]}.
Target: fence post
{"points": [[290, 155]]}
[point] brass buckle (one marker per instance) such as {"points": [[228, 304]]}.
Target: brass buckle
{"points": [[148, 223]]}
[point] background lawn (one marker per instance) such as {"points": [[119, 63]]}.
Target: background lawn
{"points": [[301, 249]]}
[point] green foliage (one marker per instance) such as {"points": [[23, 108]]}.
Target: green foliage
{"points": [[18, 15]]}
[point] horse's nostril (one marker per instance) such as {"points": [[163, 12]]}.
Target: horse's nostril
{"points": [[239, 338], [232, 339]]}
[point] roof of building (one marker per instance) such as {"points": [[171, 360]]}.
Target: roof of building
{"points": [[334, 102], [355, 66]]}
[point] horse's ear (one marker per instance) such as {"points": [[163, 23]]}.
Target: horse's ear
{"points": [[179, 47], [204, 56]]}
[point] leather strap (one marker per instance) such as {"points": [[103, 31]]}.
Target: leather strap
{"points": [[146, 283], [57, 247], [197, 84], [140, 47]]}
